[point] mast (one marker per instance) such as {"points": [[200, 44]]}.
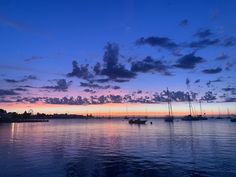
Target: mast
{"points": [[228, 112], [170, 111], [189, 99], [200, 104], [219, 111], [190, 105]]}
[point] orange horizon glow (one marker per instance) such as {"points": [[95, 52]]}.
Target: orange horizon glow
{"points": [[121, 109]]}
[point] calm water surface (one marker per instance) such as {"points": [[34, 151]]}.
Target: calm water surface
{"points": [[113, 148]]}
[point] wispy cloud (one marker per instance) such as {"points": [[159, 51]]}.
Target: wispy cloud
{"points": [[212, 71]]}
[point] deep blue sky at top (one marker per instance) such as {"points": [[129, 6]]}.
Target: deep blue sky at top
{"points": [[57, 32]]}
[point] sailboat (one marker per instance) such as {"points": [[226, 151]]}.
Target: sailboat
{"points": [[231, 117], [190, 117], [170, 117], [228, 114], [126, 108], [200, 117], [219, 116]]}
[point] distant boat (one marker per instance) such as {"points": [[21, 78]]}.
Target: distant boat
{"points": [[170, 117], [233, 119], [137, 121], [126, 117]]}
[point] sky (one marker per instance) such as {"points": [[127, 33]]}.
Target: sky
{"points": [[117, 57]]}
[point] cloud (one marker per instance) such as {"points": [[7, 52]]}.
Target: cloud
{"points": [[112, 69], [26, 78], [7, 92], [20, 26], [61, 85], [81, 71], [230, 99], [184, 23], [116, 87], [209, 96], [229, 42], [204, 43], [97, 68], [229, 65], [197, 81], [137, 97], [13, 80], [212, 71], [150, 65], [232, 90], [20, 89], [223, 56], [13, 24], [163, 42], [32, 58], [188, 61], [97, 86], [203, 33], [211, 81], [89, 91]]}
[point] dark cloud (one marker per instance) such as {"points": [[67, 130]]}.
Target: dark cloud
{"points": [[97, 68], [20, 89], [26, 78], [232, 90], [163, 42], [150, 65], [13, 80], [32, 58], [97, 86], [26, 86], [212, 71], [230, 99], [3, 100], [229, 65], [89, 91], [229, 42], [211, 81], [184, 23], [7, 92], [139, 92], [116, 87], [177, 96], [187, 81], [203, 33], [188, 61], [204, 43], [61, 85], [223, 56], [81, 71], [121, 80], [112, 69], [209, 96]]}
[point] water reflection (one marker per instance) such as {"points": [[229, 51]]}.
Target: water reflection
{"points": [[114, 148]]}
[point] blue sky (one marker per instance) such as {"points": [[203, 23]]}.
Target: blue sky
{"points": [[41, 39]]}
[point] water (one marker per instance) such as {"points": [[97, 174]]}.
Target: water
{"points": [[113, 148]]}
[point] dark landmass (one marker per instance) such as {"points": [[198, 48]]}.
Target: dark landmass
{"points": [[11, 117]]}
